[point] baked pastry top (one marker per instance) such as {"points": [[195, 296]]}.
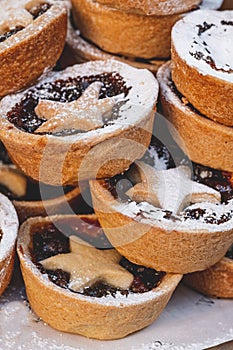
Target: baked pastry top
{"points": [[150, 200], [86, 263]]}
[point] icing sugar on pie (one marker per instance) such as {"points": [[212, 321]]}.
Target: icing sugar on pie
{"points": [[202, 59], [85, 290], [78, 117], [27, 45], [160, 210]]}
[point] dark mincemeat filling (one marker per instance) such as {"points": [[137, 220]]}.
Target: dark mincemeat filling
{"points": [[198, 55], [23, 115], [35, 12], [49, 241], [1, 235], [216, 179], [39, 10]]}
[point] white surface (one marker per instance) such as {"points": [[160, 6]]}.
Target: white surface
{"points": [[215, 42], [190, 322]]}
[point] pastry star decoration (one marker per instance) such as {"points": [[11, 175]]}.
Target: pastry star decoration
{"points": [[170, 189], [86, 113], [13, 14], [87, 265]]}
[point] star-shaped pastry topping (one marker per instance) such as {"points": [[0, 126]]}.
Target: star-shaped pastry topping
{"points": [[13, 14], [88, 265], [86, 113], [170, 189]]}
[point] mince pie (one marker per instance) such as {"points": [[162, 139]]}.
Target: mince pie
{"points": [[90, 120], [31, 198], [127, 33], [82, 50], [86, 287], [216, 281], [202, 69], [8, 232], [32, 36], [163, 219], [203, 140]]}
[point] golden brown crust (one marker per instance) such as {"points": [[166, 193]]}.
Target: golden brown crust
{"points": [[57, 160], [217, 281], [193, 132], [176, 251], [6, 270], [83, 51], [209, 95], [227, 5], [67, 158], [152, 7], [124, 33], [37, 48], [69, 312]]}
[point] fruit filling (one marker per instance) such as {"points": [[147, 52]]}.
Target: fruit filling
{"points": [[39, 10], [49, 241], [24, 116], [130, 187], [9, 33], [36, 12], [171, 156]]}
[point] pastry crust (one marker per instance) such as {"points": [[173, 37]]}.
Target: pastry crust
{"points": [[25, 55], [84, 51], [154, 7], [227, 5], [217, 281], [62, 201], [211, 89], [91, 317], [187, 125], [197, 248], [60, 205], [66, 160], [9, 227], [124, 33]]}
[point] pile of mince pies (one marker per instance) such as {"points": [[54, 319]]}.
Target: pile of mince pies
{"points": [[106, 219]]}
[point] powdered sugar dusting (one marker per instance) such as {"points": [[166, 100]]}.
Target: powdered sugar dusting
{"points": [[167, 285], [204, 39], [9, 226], [138, 106], [146, 213], [15, 13], [21, 329]]}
